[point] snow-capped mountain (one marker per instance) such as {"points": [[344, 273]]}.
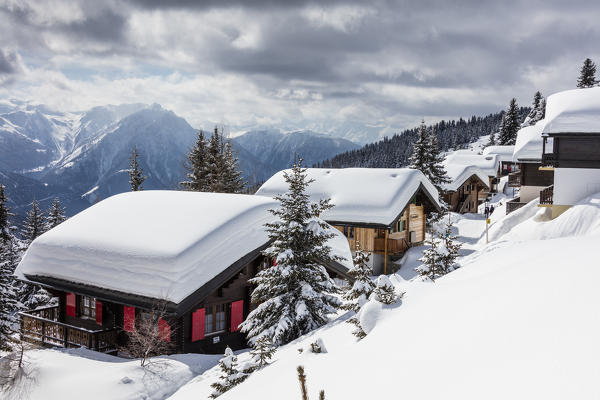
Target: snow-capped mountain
{"points": [[84, 156]]}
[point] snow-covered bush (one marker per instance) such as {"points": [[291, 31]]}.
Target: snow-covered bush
{"points": [[318, 346], [230, 374], [384, 291], [362, 287]]}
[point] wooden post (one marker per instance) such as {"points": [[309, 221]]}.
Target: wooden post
{"points": [[385, 252], [66, 337], [43, 331]]}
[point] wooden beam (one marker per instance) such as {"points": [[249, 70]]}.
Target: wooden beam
{"points": [[385, 252]]}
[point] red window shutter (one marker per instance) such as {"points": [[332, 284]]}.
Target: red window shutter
{"points": [[164, 330], [274, 262], [237, 315], [198, 325], [71, 304], [98, 312], [128, 318]]}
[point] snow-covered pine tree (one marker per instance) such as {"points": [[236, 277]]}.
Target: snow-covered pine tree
{"points": [[262, 351], [232, 176], [296, 294], [358, 332], [362, 287], [384, 291], [435, 170], [420, 155], [431, 263], [195, 165], [510, 124], [230, 375], [448, 249], [587, 76], [8, 300], [34, 224], [136, 177], [492, 140], [56, 215], [538, 110]]}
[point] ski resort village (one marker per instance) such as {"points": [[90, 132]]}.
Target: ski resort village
{"points": [[305, 215]]}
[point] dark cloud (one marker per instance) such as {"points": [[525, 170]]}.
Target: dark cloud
{"points": [[10, 62]]}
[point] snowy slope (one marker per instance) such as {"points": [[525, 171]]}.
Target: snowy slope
{"points": [[519, 320]]}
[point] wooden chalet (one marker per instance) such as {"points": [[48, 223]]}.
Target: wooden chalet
{"points": [[383, 211], [530, 176], [571, 148], [189, 254]]}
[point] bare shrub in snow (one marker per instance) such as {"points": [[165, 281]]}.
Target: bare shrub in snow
{"points": [[318, 346], [230, 374], [149, 338], [14, 368], [303, 389]]}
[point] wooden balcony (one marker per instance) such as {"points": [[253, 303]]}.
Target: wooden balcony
{"points": [[514, 179], [549, 161], [42, 327], [547, 196], [394, 246], [513, 205]]}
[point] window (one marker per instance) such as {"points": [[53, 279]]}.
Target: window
{"points": [[349, 232], [398, 226], [214, 318], [87, 307]]}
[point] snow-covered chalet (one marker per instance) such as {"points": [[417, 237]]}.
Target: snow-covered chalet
{"points": [[380, 210], [192, 253]]}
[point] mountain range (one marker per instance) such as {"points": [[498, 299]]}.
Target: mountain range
{"points": [[83, 157]]}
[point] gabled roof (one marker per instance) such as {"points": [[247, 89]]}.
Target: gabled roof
{"points": [[573, 112], [163, 245], [360, 195], [460, 165]]}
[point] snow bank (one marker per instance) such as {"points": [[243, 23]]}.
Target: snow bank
{"points": [[84, 374], [161, 244], [573, 111], [367, 195], [503, 153]]}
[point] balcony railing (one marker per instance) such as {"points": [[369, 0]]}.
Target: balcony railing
{"points": [[547, 196], [394, 246], [514, 204], [514, 179], [549, 160], [42, 327]]}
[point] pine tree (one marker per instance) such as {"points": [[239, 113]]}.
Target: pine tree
{"points": [[56, 215], [262, 351], [431, 263], [587, 76], [34, 224], [362, 287], [420, 155], [510, 124], [384, 291], [492, 141], [358, 331], [435, 168], [295, 295], [8, 299], [230, 375], [195, 165], [136, 179], [215, 163], [538, 110], [5, 214], [449, 248], [232, 176]]}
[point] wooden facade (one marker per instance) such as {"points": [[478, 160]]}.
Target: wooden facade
{"points": [[572, 150], [468, 196]]}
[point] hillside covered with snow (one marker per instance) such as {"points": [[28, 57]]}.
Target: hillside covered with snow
{"points": [[517, 320]]}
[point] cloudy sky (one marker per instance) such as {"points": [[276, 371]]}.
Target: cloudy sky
{"points": [[268, 62]]}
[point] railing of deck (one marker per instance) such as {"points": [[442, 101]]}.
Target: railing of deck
{"points": [[547, 195], [514, 179], [513, 205], [41, 326], [394, 246]]}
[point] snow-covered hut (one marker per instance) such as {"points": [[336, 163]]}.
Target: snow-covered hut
{"points": [[571, 147], [191, 253], [471, 179], [382, 210]]}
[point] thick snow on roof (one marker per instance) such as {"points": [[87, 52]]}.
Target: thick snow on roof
{"points": [[160, 244], [462, 164], [364, 195], [573, 111], [529, 143], [504, 153]]}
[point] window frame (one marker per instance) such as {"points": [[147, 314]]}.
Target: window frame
{"points": [[214, 316], [87, 311]]}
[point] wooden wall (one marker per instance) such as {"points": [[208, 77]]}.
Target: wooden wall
{"points": [[532, 176], [577, 152]]}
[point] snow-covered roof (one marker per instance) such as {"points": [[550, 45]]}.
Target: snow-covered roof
{"points": [[159, 244], [359, 195], [504, 153], [460, 165], [529, 145], [573, 111]]}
